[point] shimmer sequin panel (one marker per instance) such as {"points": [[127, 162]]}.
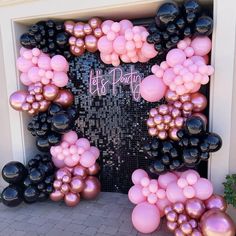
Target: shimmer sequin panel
{"points": [[111, 115]]}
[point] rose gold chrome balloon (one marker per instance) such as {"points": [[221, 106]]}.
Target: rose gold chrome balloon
{"points": [[66, 179], [72, 199], [76, 50], [79, 43], [64, 98], [186, 228], [92, 188], [56, 196], [168, 209], [182, 218], [69, 26], [17, 99], [185, 98], [94, 170], [152, 131], [196, 232], [178, 207], [65, 188], [77, 184], [95, 22], [195, 208], [44, 105], [171, 96], [91, 43], [202, 116], [178, 232], [61, 173], [199, 102], [80, 171], [172, 216], [57, 184], [79, 30], [162, 135], [72, 41], [30, 98], [97, 32], [87, 29], [216, 201], [163, 109], [193, 223], [153, 112], [172, 226], [173, 134], [150, 122], [50, 92], [26, 107]]}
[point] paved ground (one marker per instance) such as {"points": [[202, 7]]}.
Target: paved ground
{"points": [[108, 215]]}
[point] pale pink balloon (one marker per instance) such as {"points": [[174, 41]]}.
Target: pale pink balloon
{"points": [[119, 45], [165, 179], [69, 162], [124, 25], [106, 25], [58, 163], [59, 63], [201, 45], [106, 58], [203, 189], [95, 151], [135, 194], [175, 56], [70, 137], [153, 186], [168, 76], [84, 143], [33, 74], [138, 175], [25, 79], [44, 62], [87, 159], [104, 45], [189, 192], [162, 204], [187, 172], [23, 65], [148, 50], [152, 198], [152, 89], [174, 193], [60, 79], [191, 178], [146, 217]]}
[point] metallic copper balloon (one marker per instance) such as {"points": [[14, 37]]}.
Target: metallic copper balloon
{"points": [[202, 116], [173, 134], [150, 122], [193, 223], [217, 223], [196, 232], [195, 208], [57, 195], [57, 184], [78, 30], [77, 184], [72, 40], [64, 98], [35, 105], [98, 32], [79, 43], [152, 131], [178, 207], [80, 171], [72, 199], [182, 218], [76, 50], [30, 98], [91, 43], [44, 105], [168, 209], [92, 188], [69, 26], [199, 102], [178, 232], [172, 226], [50, 92], [66, 179], [87, 29], [186, 228], [95, 22], [153, 112], [94, 170], [171, 96], [172, 216], [216, 201], [61, 173], [26, 107], [65, 188], [17, 99]]}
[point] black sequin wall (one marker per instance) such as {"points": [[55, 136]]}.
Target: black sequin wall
{"points": [[115, 124]]}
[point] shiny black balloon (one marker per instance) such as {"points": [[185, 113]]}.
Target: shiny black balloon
{"points": [[214, 142], [27, 182], [31, 194], [42, 197], [62, 39], [11, 196], [26, 41], [43, 144], [36, 175], [72, 112], [192, 6], [54, 138], [204, 156], [159, 167], [47, 168], [61, 122], [49, 179], [195, 126], [204, 26], [14, 172], [190, 157], [168, 12]]}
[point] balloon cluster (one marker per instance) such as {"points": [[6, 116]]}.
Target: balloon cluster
{"points": [[48, 126], [84, 36], [173, 23], [165, 120], [49, 36], [124, 42], [29, 184], [183, 197], [193, 146], [73, 183]]}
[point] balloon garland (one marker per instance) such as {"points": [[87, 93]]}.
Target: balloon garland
{"points": [[180, 36]]}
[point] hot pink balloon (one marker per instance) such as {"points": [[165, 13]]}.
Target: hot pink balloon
{"points": [[175, 56], [146, 217], [87, 159], [60, 79], [152, 89], [59, 63], [203, 189], [174, 193], [135, 194], [165, 179], [138, 175], [70, 137], [201, 46]]}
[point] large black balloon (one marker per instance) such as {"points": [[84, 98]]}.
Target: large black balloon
{"points": [[14, 172], [12, 196], [195, 125], [213, 141], [204, 26], [31, 194], [61, 122], [36, 175]]}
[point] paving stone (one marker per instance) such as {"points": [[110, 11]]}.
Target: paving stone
{"points": [[90, 231], [75, 227], [111, 230]]}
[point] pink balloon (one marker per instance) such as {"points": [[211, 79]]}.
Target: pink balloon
{"points": [[23, 65], [33, 74], [152, 89], [189, 192], [175, 56], [95, 151], [187, 172], [146, 217], [174, 193], [165, 179], [104, 45], [203, 189], [135, 194], [58, 163], [148, 50], [168, 76], [119, 45], [201, 46], [44, 62], [138, 175], [69, 162], [70, 137], [125, 24], [162, 204], [25, 79], [84, 143], [59, 63], [87, 159], [60, 79]]}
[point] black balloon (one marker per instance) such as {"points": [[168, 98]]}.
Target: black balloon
{"points": [[195, 126], [36, 175], [204, 26], [213, 141], [14, 172], [61, 122], [31, 194], [12, 196]]}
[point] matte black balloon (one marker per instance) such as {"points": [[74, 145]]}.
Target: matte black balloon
{"points": [[168, 12], [36, 175], [14, 172], [204, 156], [11, 196], [32, 163], [195, 125], [31, 194], [204, 26], [61, 122], [214, 142]]}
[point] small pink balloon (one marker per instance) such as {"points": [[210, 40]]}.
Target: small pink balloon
{"points": [[58, 163], [152, 198], [69, 162], [124, 25], [87, 159], [84, 143], [138, 175], [182, 182], [70, 137], [153, 186], [152, 89], [23, 65], [59, 63], [104, 45], [189, 192], [161, 193], [145, 181], [191, 178], [168, 76], [201, 46], [203, 189], [44, 62], [165, 179], [135, 194], [60, 79], [174, 193], [146, 217], [187, 172], [119, 45], [25, 79], [162, 204], [175, 56], [33, 74], [95, 151], [148, 50]]}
